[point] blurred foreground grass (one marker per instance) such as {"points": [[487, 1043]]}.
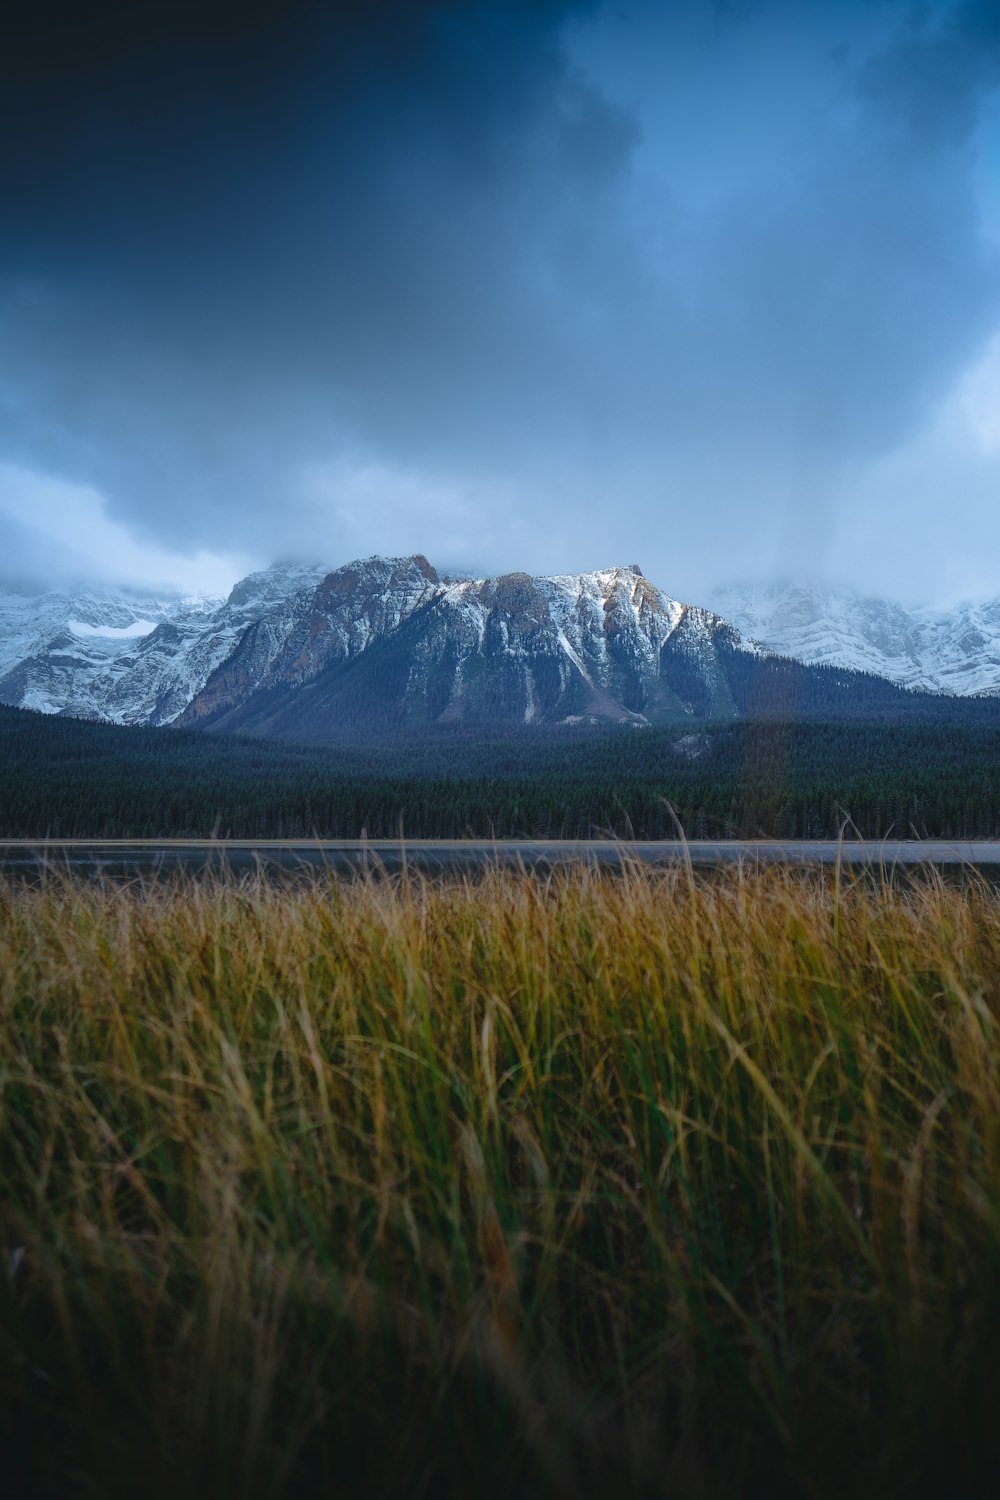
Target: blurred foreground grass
{"points": [[629, 1185]]}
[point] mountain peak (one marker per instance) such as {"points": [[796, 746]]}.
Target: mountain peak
{"points": [[392, 637]]}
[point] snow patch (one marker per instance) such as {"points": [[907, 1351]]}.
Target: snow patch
{"points": [[573, 656], [112, 632]]}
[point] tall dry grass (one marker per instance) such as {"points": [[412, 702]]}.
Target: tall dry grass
{"points": [[628, 1185]]}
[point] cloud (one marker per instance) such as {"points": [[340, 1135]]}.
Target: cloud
{"points": [[547, 284], [57, 533]]}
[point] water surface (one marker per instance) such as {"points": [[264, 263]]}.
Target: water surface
{"points": [[124, 858]]}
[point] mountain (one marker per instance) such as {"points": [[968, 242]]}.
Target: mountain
{"points": [[134, 659], [388, 643], [307, 651], [53, 645], [954, 651]]}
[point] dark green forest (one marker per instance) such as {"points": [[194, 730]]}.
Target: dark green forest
{"points": [[939, 777]]}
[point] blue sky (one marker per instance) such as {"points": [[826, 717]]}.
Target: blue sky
{"points": [[710, 286]]}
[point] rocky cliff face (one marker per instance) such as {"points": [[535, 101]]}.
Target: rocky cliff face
{"points": [[328, 621], [387, 642]]}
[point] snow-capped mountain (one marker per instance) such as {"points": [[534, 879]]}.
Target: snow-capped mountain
{"points": [[54, 647], [328, 618], [129, 658], [301, 649], [304, 652], [390, 641], [954, 651]]}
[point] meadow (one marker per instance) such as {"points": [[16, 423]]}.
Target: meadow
{"points": [[583, 1185]]}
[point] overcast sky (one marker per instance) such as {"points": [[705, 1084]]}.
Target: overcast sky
{"points": [[713, 286]]}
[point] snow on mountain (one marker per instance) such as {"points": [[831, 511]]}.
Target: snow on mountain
{"points": [[155, 681], [54, 646], [132, 659], [953, 651], [29, 621], [389, 642], [110, 633], [302, 649], [329, 617]]}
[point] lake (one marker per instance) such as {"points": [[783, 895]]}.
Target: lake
{"points": [[125, 858]]}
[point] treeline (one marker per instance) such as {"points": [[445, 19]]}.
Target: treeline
{"points": [[65, 778]]}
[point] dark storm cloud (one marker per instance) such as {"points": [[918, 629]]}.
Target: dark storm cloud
{"points": [[205, 226], [140, 118], [656, 274]]}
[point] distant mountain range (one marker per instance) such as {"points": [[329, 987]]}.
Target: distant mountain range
{"points": [[133, 658], [935, 651], [308, 653]]}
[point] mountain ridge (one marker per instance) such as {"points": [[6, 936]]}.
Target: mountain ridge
{"points": [[308, 651], [954, 651], [515, 647]]}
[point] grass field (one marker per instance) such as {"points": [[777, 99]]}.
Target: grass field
{"points": [[632, 1185]]}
